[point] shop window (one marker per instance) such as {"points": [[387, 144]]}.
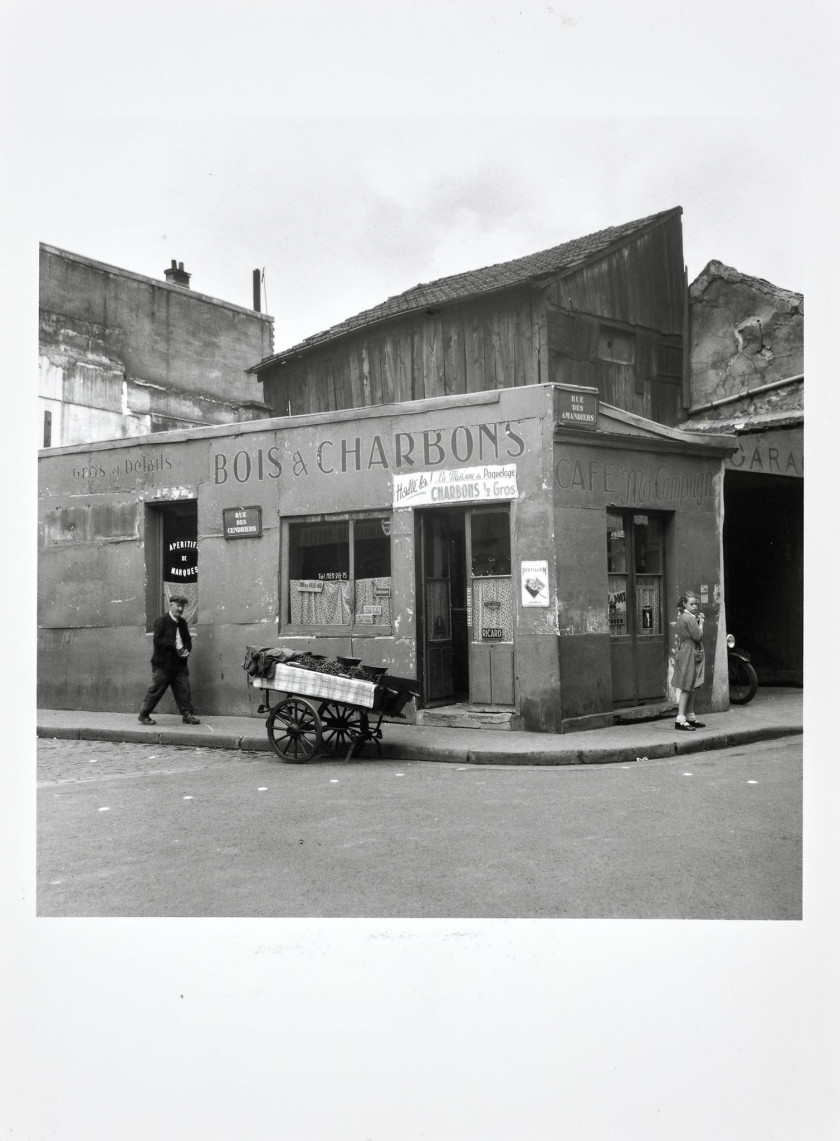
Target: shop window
{"points": [[340, 572], [617, 574]]}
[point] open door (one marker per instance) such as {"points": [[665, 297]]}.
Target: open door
{"points": [[467, 606], [443, 600]]}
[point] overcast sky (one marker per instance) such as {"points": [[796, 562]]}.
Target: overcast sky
{"points": [[343, 213], [351, 152]]}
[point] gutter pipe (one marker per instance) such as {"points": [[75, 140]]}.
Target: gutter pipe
{"points": [[746, 392]]}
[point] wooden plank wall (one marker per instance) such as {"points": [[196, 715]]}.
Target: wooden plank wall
{"points": [[473, 347], [640, 284], [638, 288], [523, 336]]}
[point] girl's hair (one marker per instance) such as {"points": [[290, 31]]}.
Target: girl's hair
{"points": [[682, 602]]}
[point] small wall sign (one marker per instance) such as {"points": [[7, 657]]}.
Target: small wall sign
{"points": [[492, 634], [534, 582], [242, 522], [576, 407]]}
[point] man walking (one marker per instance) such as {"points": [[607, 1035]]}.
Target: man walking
{"points": [[171, 643]]}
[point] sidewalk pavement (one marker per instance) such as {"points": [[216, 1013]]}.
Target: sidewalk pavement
{"points": [[775, 712]]}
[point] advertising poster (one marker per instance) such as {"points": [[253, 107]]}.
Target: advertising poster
{"points": [[534, 583]]}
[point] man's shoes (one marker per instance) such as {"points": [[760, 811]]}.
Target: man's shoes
{"points": [[144, 719], [697, 724], [685, 726], [190, 720]]}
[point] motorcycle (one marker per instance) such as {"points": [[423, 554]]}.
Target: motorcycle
{"points": [[743, 681]]}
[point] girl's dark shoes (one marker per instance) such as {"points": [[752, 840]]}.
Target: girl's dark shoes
{"points": [[697, 724], [685, 726]]}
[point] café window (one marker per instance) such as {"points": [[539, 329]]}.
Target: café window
{"points": [[339, 572], [634, 570]]}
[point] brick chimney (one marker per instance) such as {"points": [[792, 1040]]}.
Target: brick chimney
{"points": [[175, 275]]}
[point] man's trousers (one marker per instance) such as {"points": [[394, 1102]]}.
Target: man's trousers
{"points": [[179, 679]]}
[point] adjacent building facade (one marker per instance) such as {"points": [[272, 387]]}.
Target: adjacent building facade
{"points": [[124, 355], [747, 378]]}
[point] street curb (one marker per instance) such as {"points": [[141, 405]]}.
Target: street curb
{"points": [[727, 740], [59, 731], [411, 751]]}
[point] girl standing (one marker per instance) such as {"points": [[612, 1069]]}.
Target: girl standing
{"points": [[690, 662]]}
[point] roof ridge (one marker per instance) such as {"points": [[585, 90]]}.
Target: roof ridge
{"points": [[485, 279]]}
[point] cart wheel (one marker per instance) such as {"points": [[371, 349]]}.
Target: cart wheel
{"points": [[343, 724], [294, 730]]}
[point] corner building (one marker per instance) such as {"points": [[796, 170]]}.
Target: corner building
{"points": [[516, 561], [478, 483]]}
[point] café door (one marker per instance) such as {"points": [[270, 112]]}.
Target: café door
{"points": [[466, 619], [635, 569]]}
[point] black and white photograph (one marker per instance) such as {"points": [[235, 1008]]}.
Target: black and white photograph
{"points": [[413, 741]]}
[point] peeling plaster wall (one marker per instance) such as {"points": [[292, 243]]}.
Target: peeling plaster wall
{"points": [[98, 575], [124, 356], [745, 332]]}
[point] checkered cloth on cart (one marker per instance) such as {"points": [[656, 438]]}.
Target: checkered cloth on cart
{"points": [[309, 683]]}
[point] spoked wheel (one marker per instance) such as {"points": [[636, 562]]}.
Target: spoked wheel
{"points": [[342, 725], [294, 730], [743, 682]]}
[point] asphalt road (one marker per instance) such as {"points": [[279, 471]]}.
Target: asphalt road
{"points": [[138, 830]]}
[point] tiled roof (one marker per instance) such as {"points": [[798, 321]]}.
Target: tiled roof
{"points": [[490, 279]]}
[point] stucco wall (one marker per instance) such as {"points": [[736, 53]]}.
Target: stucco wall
{"points": [[123, 355], [745, 332], [97, 508]]}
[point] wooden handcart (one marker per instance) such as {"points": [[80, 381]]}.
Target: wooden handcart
{"points": [[318, 712]]}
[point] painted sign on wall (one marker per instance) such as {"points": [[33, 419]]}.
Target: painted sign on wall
{"points": [[770, 453], [456, 485]]}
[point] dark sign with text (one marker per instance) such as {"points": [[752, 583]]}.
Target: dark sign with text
{"points": [[242, 522], [577, 407]]}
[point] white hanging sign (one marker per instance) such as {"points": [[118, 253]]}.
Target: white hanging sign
{"points": [[456, 485]]}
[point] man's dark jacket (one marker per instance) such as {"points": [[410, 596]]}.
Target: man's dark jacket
{"points": [[165, 656]]}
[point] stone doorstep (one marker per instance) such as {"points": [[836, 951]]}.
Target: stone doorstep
{"points": [[628, 716], [650, 712], [465, 717]]}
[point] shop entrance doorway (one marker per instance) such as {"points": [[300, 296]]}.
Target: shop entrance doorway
{"points": [[465, 626], [171, 543], [635, 568]]}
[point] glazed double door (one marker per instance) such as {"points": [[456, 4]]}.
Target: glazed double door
{"points": [[635, 571], [466, 636]]}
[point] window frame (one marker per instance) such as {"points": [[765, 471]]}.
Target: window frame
{"points": [[352, 629]]}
